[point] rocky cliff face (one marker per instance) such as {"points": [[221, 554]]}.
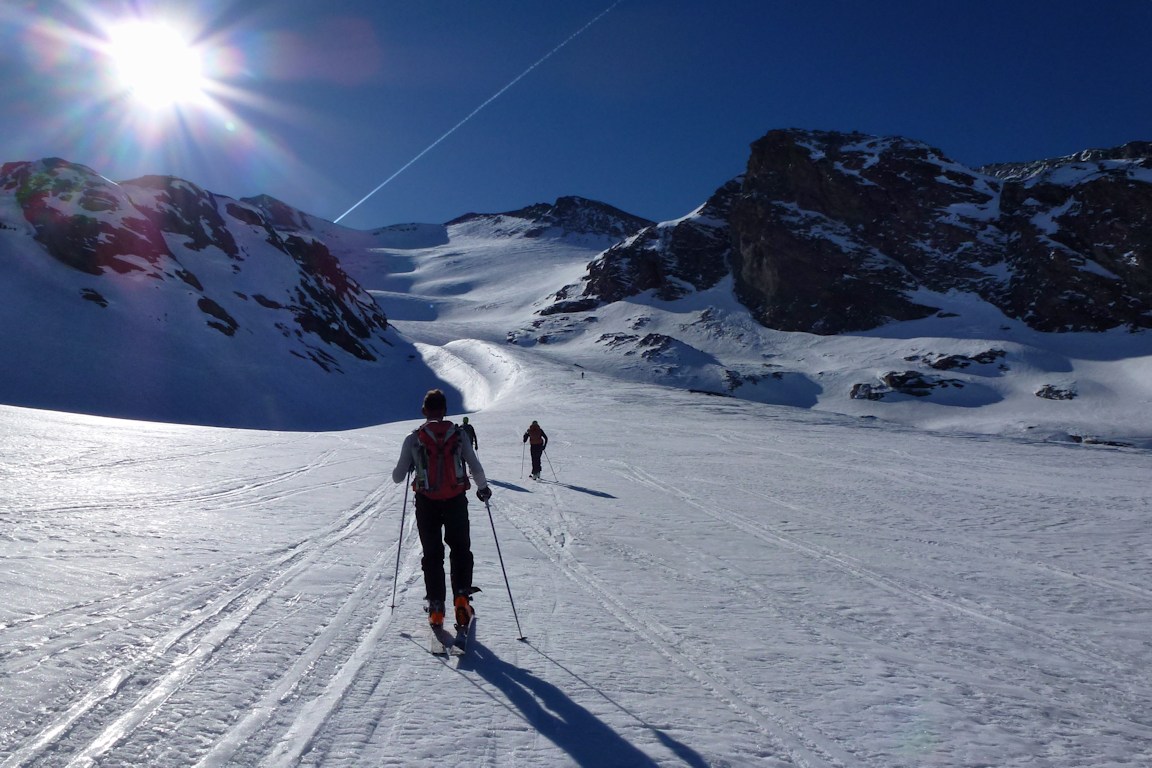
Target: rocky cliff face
{"points": [[830, 233], [670, 259], [1079, 247], [837, 232], [243, 268]]}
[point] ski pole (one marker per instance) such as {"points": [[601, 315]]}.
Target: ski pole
{"points": [[495, 538], [523, 448], [545, 452], [400, 539]]}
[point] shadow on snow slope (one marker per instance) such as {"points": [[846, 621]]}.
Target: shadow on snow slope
{"points": [[587, 739], [522, 489]]}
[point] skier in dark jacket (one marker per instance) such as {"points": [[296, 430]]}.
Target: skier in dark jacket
{"points": [[440, 484], [470, 431], [537, 442]]}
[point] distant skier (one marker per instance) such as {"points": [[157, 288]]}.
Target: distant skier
{"points": [[537, 441], [437, 455], [471, 432]]}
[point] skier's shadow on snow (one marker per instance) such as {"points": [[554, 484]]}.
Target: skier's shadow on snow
{"points": [[568, 725], [579, 488]]}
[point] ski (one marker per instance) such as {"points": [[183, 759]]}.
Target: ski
{"points": [[459, 644], [439, 641], [444, 643]]}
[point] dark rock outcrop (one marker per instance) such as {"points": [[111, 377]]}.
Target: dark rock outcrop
{"points": [[1080, 244], [1052, 392], [831, 233], [670, 259], [912, 383], [835, 232]]}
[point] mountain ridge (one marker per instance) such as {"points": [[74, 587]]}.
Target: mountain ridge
{"points": [[722, 300], [831, 233], [211, 309]]}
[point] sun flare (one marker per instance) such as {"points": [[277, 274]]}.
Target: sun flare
{"points": [[156, 64]]}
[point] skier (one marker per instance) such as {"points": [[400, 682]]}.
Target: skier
{"points": [[537, 441], [437, 453], [471, 432]]}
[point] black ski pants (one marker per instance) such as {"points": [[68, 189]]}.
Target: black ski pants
{"points": [[440, 522], [537, 452]]}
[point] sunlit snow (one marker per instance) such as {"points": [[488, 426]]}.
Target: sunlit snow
{"points": [[701, 580]]}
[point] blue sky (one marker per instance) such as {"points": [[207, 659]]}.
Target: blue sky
{"points": [[650, 108]]}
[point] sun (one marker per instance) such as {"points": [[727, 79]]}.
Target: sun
{"points": [[155, 64]]}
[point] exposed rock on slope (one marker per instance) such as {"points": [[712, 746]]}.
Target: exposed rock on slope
{"points": [[831, 233], [836, 232], [670, 259], [185, 240]]}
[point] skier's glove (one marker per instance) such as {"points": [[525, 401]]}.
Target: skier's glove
{"points": [[484, 494]]}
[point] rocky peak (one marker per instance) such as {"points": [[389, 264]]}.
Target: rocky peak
{"points": [[83, 219], [671, 259], [1081, 250], [194, 244], [182, 208], [567, 216], [838, 232], [1138, 151], [832, 232], [281, 215]]}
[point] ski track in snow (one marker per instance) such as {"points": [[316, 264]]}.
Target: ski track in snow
{"points": [[1075, 653], [144, 678], [868, 630], [803, 745]]}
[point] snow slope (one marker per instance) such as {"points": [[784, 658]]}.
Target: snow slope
{"points": [[701, 581], [478, 280]]}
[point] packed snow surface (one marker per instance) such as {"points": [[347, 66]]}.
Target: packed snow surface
{"points": [[697, 580]]}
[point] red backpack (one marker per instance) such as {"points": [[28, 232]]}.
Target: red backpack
{"points": [[440, 472]]}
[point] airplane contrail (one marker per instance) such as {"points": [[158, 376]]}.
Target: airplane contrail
{"points": [[473, 113]]}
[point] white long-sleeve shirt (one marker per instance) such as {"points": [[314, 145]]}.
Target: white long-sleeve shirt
{"points": [[406, 463]]}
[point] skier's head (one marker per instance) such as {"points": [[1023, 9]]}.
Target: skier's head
{"points": [[465, 419], [435, 405]]}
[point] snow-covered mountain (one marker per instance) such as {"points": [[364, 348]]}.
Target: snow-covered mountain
{"points": [[862, 275], [155, 299]]}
